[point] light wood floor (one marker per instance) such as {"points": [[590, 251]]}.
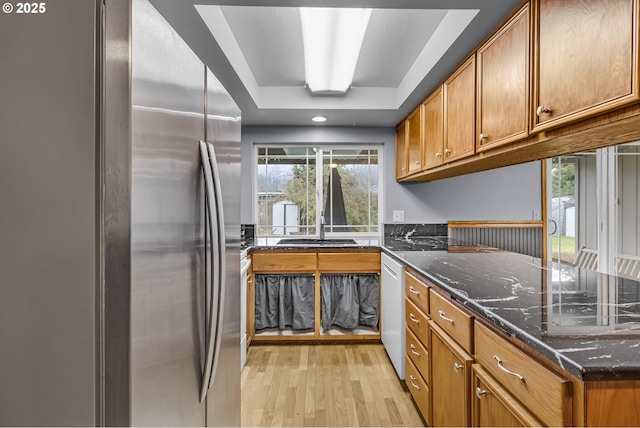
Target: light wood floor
{"points": [[323, 385]]}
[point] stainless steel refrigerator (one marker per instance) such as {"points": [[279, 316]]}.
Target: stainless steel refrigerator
{"points": [[119, 223]]}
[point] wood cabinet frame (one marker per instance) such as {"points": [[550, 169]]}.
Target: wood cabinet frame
{"points": [[316, 262]]}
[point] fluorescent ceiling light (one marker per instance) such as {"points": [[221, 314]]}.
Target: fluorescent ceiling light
{"points": [[319, 119], [332, 40]]}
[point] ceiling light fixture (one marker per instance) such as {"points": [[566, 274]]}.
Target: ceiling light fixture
{"points": [[332, 40], [319, 119]]}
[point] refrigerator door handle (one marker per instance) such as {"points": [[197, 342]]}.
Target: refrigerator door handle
{"points": [[212, 228], [221, 253]]}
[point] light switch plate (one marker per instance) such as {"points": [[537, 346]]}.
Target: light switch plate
{"points": [[536, 215], [398, 215]]}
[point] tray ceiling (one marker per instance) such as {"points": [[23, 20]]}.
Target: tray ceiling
{"points": [[255, 49]]}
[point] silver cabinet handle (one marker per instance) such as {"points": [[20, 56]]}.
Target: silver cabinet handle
{"points": [[411, 379], [507, 371], [413, 291], [541, 110], [413, 350], [441, 313], [412, 318], [438, 155], [480, 392], [483, 137], [447, 152], [417, 162], [457, 367]]}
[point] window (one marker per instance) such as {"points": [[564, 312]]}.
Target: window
{"points": [[594, 224], [300, 187], [594, 202]]}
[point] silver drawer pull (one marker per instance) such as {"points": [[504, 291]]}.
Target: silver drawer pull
{"points": [[445, 318], [413, 350], [413, 291], [480, 392], [457, 367], [411, 379], [507, 371], [412, 318]]}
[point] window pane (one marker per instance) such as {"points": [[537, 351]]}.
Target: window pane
{"points": [[627, 257], [563, 212], [350, 189], [286, 191]]}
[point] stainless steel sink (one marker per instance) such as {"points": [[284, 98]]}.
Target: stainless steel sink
{"points": [[315, 241]]}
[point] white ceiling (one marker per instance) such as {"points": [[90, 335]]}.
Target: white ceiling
{"points": [[255, 49]]}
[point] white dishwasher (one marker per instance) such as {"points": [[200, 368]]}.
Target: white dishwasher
{"points": [[393, 322], [245, 263]]}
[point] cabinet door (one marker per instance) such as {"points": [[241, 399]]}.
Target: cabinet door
{"points": [[503, 84], [459, 112], [450, 380], [493, 406], [401, 151], [584, 59], [433, 129], [414, 141]]}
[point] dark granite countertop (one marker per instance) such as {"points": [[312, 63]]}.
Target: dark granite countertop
{"points": [[588, 323]]}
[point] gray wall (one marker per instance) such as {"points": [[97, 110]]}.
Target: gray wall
{"points": [[510, 193], [48, 215]]}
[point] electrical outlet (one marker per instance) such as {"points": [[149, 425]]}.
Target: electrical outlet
{"points": [[536, 215], [398, 215]]}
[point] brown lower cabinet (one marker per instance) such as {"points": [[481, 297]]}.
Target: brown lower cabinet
{"points": [[315, 262], [419, 388], [450, 380], [493, 406], [498, 381]]}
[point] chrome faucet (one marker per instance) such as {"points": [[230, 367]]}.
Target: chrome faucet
{"points": [[322, 227]]}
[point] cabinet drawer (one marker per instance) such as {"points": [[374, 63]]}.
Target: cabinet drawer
{"points": [[453, 320], [545, 394], [349, 262], [419, 389], [417, 291], [284, 262], [494, 406], [418, 353], [417, 321]]}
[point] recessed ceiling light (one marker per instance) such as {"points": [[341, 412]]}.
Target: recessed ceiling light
{"points": [[319, 119]]}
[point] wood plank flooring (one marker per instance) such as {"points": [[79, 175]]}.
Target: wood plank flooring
{"points": [[324, 386]]}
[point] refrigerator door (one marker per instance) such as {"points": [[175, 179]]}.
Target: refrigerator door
{"points": [[223, 131], [167, 226]]}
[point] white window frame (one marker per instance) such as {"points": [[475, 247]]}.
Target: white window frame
{"points": [[319, 155]]}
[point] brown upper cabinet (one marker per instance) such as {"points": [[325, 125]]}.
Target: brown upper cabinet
{"points": [[584, 59], [414, 141], [401, 151], [558, 77], [433, 129], [459, 111], [503, 84]]}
